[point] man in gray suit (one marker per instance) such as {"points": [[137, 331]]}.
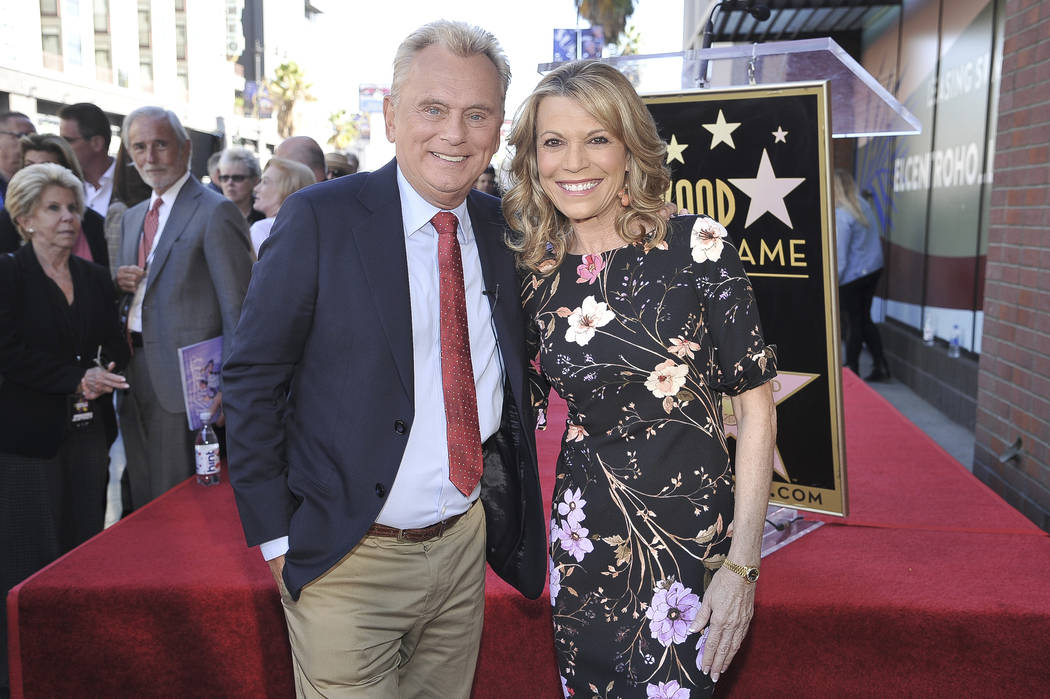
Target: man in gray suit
{"points": [[185, 263]]}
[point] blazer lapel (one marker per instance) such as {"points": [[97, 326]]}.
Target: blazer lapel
{"points": [[181, 213], [132, 231], [497, 267], [380, 242]]}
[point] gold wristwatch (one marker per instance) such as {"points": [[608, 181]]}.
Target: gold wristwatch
{"points": [[748, 573]]}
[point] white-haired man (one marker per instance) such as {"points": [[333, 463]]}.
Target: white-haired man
{"points": [[185, 263]]}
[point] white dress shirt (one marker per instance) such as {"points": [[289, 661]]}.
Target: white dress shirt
{"points": [[167, 201], [259, 232], [97, 198], [422, 493]]}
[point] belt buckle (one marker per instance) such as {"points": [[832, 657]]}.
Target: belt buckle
{"points": [[400, 535]]}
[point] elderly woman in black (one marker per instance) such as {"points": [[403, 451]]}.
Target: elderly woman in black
{"points": [[60, 342]]}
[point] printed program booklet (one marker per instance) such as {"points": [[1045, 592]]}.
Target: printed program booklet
{"points": [[200, 366]]}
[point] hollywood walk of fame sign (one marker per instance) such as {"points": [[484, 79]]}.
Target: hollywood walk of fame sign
{"points": [[757, 159]]}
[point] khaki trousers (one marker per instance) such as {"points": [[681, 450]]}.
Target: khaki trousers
{"points": [[393, 618]]}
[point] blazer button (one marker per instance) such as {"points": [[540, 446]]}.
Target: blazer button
{"points": [[399, 426], [380, 490]]}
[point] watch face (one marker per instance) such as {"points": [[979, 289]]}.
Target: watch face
{"points": [[752, 575]]}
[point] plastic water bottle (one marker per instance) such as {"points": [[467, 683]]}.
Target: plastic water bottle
{"points": [[953, 344], [206, 448], [927, 331]]}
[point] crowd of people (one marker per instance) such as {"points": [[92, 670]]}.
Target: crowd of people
{"points": [[382, 366], [98, 297]]}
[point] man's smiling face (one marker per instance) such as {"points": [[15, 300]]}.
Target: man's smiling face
{"points": [[445, 125]]}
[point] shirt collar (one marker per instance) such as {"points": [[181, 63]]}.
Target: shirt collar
{"points": [[107, 176], [172, 192], [416, 212]]}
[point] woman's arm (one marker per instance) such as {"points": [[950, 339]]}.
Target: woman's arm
{"points": [[729, 600]]}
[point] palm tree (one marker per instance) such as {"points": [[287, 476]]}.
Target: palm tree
{"points": [[610, 15], [288, 87]]}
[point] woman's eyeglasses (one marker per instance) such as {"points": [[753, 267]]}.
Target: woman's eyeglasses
{"points": [[236, 178]]}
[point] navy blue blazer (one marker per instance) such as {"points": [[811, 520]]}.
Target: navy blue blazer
{"points": [[318, 388]]}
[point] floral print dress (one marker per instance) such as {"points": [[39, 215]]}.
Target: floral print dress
{"points": [[642, 345]]}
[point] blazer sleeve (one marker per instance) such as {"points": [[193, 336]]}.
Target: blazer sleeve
{"points": [[266, 350], [228, 252], [115, 343], [18, 362]]}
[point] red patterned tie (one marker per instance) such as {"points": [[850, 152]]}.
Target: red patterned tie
{"points": [[149, 231], [457, 371]]}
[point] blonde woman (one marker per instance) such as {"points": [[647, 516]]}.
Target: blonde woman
{"points": [[860, 265], [641, 325], [279, 180]]}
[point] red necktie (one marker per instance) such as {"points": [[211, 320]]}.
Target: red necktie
{"points": [[149, 231], [457, 371]]}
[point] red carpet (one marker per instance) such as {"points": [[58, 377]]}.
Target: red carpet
{"points": [[933, 587]]}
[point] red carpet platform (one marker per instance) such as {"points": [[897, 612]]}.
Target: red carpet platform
{"points": [[933, 587]]}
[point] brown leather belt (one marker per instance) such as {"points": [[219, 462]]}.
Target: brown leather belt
{"points": [[415, 535]]}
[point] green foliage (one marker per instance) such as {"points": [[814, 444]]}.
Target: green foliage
{"points": [[611, 15], [344, 129], [288, 87]]}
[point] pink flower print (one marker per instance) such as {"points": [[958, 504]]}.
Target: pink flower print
{"points": [[574, 540], [705, 240], [681, 348], [667, 378], [700, 649], [575, 433], [671, 612], [666, 690], [590, 316], [555, 580], [571, 507], [590, 268]]}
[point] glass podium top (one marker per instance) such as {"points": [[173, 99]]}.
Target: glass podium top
{"points": [[860, 106]]}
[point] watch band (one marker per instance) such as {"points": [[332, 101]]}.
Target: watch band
{"points": [[748, 573]]}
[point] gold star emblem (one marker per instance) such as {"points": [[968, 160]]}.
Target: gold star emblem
{"points": [[767, 192], [674, 150], [785, 385], [722, 131], [780, 135]]}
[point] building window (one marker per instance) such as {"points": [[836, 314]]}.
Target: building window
{"points": [[50, 34], [101, 16], [145, 25], [103, 45], [146, 73], [180, 39], [103, 65]]}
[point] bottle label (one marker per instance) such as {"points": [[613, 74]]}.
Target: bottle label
{"points": [[207, 459]]}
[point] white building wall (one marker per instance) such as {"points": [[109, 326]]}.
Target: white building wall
{"points": [[26, 80]]}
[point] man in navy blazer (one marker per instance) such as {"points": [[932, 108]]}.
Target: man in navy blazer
{"points": [[334, 396]]}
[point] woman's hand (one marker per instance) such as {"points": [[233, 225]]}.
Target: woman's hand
{"points": [[729, 603], [98, 381]]}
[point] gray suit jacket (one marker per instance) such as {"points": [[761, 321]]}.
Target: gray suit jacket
{"points": [[195, 284]]}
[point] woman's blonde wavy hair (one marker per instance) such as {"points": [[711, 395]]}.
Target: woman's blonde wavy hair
{"points": [[539, 231]]}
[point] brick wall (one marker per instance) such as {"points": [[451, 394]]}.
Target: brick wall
{"points": [[1013, 389]]}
